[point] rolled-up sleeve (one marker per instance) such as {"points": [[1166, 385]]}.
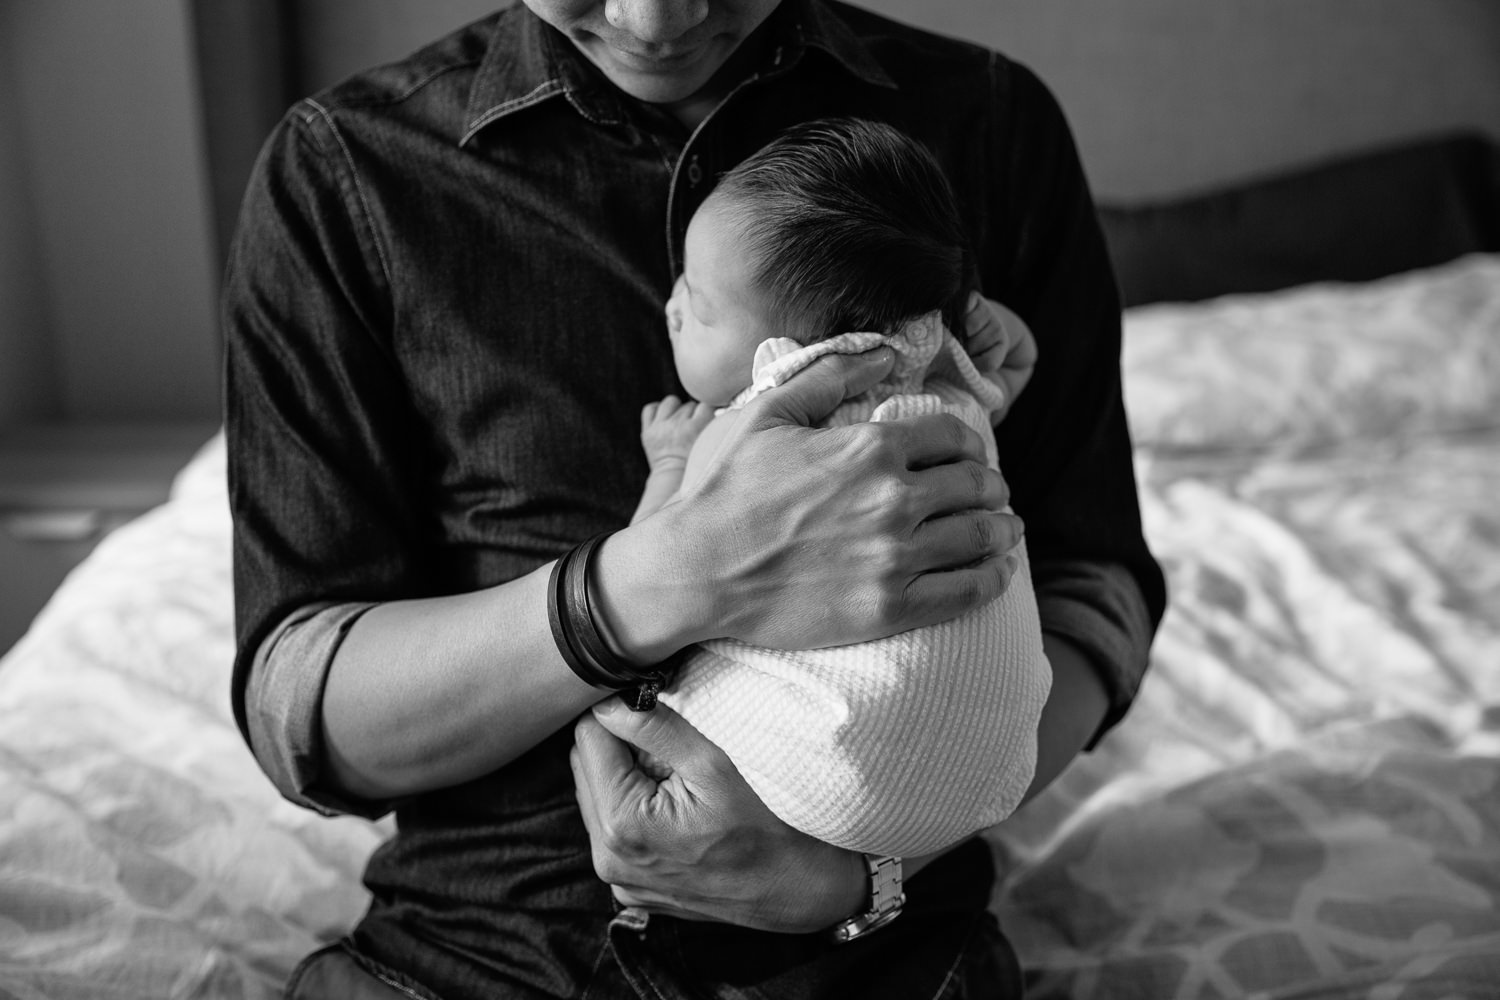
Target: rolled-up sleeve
{"points": [[284, 705], [1099, 607], [320, 439]]}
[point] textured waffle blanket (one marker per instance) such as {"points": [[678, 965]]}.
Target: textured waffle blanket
{"points": [[906, 744]]}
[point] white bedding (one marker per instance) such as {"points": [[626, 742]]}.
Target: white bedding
{"points": [[1304, 802], [142, 853], [1305, 799]]}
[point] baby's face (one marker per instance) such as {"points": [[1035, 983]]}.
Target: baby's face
{"points": [[716, 316]]}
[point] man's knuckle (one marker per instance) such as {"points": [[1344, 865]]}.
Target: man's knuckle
{"points": [[607, 836], [889, 497], [608, 867], [979, 480], [957, 431], [874, 441], [618, 839], [984, 533], [895, 565], [891, 605]]}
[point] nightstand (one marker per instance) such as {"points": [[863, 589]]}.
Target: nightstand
{"points": [[65, 486]]}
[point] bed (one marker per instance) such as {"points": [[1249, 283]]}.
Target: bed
{"points": [[1303, 803]]}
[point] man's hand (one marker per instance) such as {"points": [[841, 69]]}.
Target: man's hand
{"points": [[1002, 346], [794, 536], [825, 536], [676, 830]]}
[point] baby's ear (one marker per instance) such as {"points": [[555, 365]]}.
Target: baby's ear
{"points": [[771, 350]]}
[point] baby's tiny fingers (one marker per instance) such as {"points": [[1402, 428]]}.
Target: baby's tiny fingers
{"points": [[991, 359]]}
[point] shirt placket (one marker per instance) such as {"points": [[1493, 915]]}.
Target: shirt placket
{"points": [[702, 160]]}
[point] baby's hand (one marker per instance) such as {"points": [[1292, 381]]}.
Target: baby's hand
{"points": [[669, 428], [1001, 345]]}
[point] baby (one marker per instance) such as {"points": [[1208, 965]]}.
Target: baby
{"points": [[844, 235]]}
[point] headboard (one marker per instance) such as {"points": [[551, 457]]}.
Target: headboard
{"points": [[1355, 217]]}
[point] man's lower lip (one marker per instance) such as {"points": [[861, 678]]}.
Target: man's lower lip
{"points": [[648, 64]]}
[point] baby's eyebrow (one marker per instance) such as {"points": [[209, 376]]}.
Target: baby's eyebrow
{"points": [[701, 308]]}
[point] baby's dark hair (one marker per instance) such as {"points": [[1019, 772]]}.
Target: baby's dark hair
{"points": [[850, 225]]}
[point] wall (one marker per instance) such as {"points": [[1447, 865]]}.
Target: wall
{"points": [[338, 37], [107, 254], [1231, 88], [28, 384], [1235, 88], [105, 144]]}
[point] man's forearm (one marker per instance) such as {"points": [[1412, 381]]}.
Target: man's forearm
{"points": [[1075, 708], [427, 693]]}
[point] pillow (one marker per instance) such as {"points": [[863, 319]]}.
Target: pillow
{"points": [[1418, 352], [1354, 219]]}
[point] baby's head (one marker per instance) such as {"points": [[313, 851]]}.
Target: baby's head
{"points": [[837, 225]]}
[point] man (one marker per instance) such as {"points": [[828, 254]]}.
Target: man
{"points": [[443, 314]]}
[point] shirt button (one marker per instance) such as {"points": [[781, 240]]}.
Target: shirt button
{"points": [[695, 172]]}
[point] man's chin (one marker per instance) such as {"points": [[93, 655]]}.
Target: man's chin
{"points": [[665, 83], [658, 88]]}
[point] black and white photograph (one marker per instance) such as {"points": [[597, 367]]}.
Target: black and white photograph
{"points": [[749, 500]]}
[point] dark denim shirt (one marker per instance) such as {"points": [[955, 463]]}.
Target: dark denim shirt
{"points": [[443, 313]]}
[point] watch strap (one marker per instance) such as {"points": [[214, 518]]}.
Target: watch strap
{"points": [[886, 899]]}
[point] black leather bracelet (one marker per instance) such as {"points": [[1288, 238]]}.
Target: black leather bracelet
{"points": [[571, 617], [579, 617], [556, 605]]}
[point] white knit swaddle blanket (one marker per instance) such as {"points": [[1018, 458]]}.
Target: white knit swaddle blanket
{"points": [[907, 744]]}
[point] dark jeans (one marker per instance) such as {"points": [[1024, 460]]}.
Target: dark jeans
{"points": [[942, 948]]}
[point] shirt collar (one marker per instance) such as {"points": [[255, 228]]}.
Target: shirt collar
{"points": [[528, 62], [521, 67], [814, 26]]}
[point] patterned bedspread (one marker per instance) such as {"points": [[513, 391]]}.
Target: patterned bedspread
{"points": [[142, 853], [1304, 802], [1305, 799]]}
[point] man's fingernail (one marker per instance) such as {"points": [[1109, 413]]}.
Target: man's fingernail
{"points": [[1013, 564]]}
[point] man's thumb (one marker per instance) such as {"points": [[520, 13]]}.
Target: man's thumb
{"points": [[814, 392], [661, 732]]}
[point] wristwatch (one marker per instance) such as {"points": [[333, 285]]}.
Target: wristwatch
{"points": [[886, 900]]}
